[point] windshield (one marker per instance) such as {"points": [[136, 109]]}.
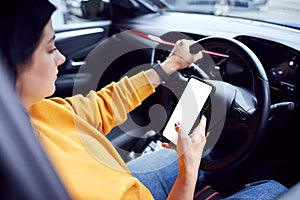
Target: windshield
{"points": [[284, 12]]}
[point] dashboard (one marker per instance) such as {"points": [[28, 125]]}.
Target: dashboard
{"points": [[277, 48], [280, 62]]}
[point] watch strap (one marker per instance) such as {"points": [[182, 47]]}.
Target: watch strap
{"points": [[161, 72]]}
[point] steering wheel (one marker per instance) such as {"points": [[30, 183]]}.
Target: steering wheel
{"points": [[237, 115]]}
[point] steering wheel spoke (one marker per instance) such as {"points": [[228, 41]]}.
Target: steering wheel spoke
{"points": [[241, 110], [237, 119]]}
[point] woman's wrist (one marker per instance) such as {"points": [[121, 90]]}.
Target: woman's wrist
{"points": [[168, 68], [172, 64], [188, 172], [184, 186], [188, 179], [164, 76]]}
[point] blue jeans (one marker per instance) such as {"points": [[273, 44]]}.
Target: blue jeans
{"points": [[261, 190], [158, 172]]}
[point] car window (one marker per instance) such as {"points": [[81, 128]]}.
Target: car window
{"points": [[71, 13]]}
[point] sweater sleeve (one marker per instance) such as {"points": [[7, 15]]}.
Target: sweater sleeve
{"points": [[109, 107]]}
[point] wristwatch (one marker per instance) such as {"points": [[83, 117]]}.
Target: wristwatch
{"points": [[161, 72]]}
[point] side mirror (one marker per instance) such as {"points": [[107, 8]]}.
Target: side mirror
{"points": [[89, 9]]}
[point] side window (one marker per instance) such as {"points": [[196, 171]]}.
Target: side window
{"points": [[70, 13]]}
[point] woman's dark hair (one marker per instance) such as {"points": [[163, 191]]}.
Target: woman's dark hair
{"points": [[21, 26]]}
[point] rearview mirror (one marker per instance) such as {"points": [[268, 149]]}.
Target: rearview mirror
{"points": [[89, 9]]}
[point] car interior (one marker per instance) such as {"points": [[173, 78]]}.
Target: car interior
{"points": [[253, 113]]}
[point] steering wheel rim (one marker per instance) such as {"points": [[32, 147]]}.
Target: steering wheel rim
{"points": [[256, 116]]}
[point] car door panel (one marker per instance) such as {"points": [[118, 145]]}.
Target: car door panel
{"points": [[75, 45]]}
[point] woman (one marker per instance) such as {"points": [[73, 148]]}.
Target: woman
{"points": [[84, 158], [72, 130]]}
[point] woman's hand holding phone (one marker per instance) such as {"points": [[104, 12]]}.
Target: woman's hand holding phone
{"points": [[189, 150]]}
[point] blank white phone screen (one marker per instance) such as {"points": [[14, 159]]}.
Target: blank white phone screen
{"points": [[188, 108]]}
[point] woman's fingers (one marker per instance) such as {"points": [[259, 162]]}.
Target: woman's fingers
{"points": [[183, 137], [169, 146], [200, 129], [181, 50], [186, 140]]}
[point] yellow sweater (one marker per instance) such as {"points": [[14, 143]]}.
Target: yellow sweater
{"points": [[72, 131]]}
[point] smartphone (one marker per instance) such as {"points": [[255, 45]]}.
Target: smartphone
{"points": [[193, 102]]}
